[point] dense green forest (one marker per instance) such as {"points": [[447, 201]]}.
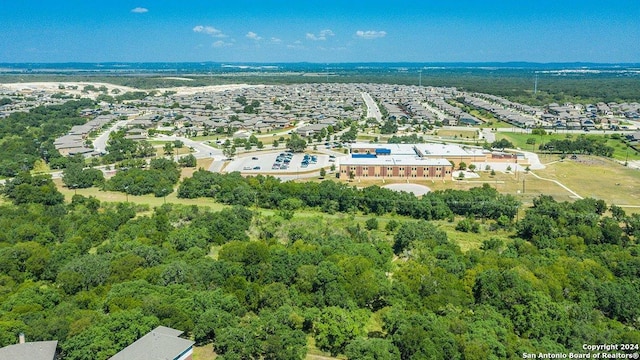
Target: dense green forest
{"points": [[253, 284]]}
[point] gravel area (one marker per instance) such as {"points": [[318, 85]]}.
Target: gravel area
{"points": [[416, 189]]}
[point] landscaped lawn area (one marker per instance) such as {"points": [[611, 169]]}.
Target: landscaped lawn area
{"points": [[460, 134], [597, 177], [620, 150]]}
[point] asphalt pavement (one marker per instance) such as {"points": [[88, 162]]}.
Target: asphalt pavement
{"points": [[373, 111]]}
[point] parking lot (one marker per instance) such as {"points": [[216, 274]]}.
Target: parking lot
{"points": [[279, 162]]}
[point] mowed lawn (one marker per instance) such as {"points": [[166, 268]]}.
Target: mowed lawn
{"points": [[472, 133], [620, 150], [597, 177], [519, 140]]}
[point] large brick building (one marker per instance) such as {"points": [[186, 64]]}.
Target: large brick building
{"points": [[413, 161], [395, 166]]}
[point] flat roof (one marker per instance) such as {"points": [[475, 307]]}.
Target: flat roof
{"points": [[446, 150], [396, 149], [427, 149], [395, 160]]}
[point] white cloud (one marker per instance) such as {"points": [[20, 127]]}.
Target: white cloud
{"points": [[221, 44], [296, 45], [209, 30], [371, 34], [253, 36], [321, 36], [139, 10], [275, 40]]}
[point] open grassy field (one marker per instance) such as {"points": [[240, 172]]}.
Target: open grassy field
{"points": [[200, 163], [268, 140], [496, 124], [176, 151], [597, 177], [519, 140], [468, 241], [621, 150], [152, 201], [462, 134]]}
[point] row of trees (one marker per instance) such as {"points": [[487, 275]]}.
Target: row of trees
{"points": [[581, 145], [329, 196]]}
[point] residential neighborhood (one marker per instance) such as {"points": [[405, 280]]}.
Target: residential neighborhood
{"points": [[212, 118]]}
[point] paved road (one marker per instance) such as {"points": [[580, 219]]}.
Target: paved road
{"points": [[373, 111], [201, 150], [488, 135], [100, 143], [562, 131]]}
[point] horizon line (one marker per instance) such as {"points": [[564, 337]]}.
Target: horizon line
{"points": [[326, 63]]}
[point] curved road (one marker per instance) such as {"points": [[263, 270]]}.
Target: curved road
{"points": [[100, 143]]}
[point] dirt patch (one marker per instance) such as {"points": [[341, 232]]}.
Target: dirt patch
{"points": [[587, 160], [416, 189]]}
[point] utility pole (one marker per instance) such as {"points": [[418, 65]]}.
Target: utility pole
{"points": [[420, 81], [535, 86]]}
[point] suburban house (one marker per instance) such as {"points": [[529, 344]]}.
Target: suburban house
{"points": [[136, 134], [162, 343], [37, 350]]}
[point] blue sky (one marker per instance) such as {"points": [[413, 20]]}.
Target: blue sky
{"points": [[319, 31]]}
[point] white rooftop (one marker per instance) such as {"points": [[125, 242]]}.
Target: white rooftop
{"points": [[391, 160], [427, 149]]}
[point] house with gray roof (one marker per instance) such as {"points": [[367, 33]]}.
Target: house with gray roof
{"points": [[37, 350], [161, 343], [310, 130]]}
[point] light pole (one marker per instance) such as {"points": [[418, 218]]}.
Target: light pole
{"points": [[126, 192]]}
